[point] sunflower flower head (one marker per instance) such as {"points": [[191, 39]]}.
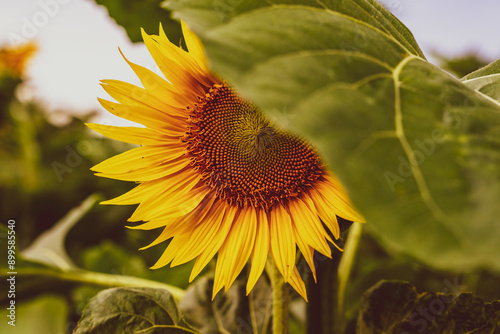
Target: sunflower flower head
{"points": [[214, 175]]}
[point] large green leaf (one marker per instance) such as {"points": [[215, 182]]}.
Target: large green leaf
{"points": [[418, 150], [133, 310], [397, 307]]}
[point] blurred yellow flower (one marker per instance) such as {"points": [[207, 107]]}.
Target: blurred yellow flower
{"points": [[14, 60]]}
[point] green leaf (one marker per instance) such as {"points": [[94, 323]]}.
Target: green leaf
{"points": [[205, 16], [486, 80], [461, 65], [146, 14], [417, 150], [49, 248], [132, 310], [397, 307], [110, 258], [39, 278], [46, 314]]}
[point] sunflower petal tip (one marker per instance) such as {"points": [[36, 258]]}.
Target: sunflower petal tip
{"points": [[132, 227], [214, 293], [144, 34], [121, 52], [91, 126]]}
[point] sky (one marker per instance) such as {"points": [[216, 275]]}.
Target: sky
{"points": [[78, 42]]}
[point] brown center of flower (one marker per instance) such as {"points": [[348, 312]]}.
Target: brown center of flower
{"points": [[241, 157]]}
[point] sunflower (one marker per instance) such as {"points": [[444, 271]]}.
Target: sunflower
{"points": [[215, 175]]}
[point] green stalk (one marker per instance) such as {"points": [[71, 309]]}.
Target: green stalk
{"points": [[280, 299], [99, 279]]}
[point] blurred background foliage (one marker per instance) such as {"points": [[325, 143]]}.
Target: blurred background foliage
{"points": [[45, 173]]}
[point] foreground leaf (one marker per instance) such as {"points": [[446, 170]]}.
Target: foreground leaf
{"points": [[397, 307], [417, 149], [132, 310]]}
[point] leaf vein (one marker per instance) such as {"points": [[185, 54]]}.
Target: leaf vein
{"points": [[416, 172]]}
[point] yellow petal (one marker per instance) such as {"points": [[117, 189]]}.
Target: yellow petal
{"points": [[181, 205], [129, 94], [309, 226], [282, 240], [260, 250], [335, 196], [149, 173], [205, 230], [306, 250], [170, 121], [168, 254], [298, 284], [139, 136], [326, 213], [183, 224], [214, 245], [178, 72], [141, 193], [239, 245], [179, 184], [195, 47], [158, 87], [139, 158], [186, 61]]}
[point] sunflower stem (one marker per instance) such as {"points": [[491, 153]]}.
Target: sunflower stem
{"points": [[280, 299], [99, 279], [325, 313], [322, 296]]}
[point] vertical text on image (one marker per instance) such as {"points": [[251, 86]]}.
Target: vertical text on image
{"points": [[11, 273]]}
